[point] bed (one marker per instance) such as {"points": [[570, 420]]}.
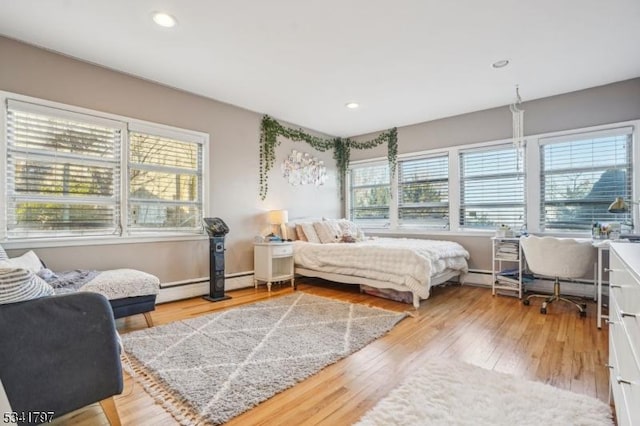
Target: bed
{"points": [[401, 264]]}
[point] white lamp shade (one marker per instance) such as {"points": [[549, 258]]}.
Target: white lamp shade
{"points": [[278, 217]]}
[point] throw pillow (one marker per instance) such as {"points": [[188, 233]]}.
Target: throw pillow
{"points": [[310, 233], [17, 285], [291, 231], [300, 233], [29, 261], [327, 231]]}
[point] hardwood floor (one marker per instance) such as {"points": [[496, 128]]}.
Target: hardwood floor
{"points": [[457, 322]]}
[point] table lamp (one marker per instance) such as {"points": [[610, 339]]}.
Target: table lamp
{"points": [[279, 217]]}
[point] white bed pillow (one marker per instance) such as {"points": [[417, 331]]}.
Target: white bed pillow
{"points": [[29, 261], [17, 285], [328, 231], [309, 232]]}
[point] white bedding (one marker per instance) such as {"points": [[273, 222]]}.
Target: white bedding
{"points": [[406, 262]]}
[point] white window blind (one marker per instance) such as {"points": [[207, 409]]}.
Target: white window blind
{"points": [[492, 190], [581, 175], [63, 172], [370, 194], [423, 192], [165, 183]]}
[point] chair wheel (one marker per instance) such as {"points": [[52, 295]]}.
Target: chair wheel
{"points": [[543, 310], [526, 302], [583, 313]]}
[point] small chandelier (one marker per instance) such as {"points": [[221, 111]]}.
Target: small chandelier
{"points": [[518, 121]]}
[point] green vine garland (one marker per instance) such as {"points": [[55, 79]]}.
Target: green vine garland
{"points": [[270, 129]]}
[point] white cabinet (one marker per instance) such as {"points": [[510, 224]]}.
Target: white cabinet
{"points": [[624, 331], [272, 262], [507, 266]]}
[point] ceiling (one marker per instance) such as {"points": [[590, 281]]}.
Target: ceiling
{"points": [[405, 62]]}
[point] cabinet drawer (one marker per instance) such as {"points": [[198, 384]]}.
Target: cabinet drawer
{"points": [[630, 326], [623, 287], [625, 374], [280, 251], [622, 413]]}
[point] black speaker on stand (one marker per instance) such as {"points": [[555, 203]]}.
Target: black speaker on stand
{"points": [[217, 230]]}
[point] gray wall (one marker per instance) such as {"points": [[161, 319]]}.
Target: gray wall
{"points": [[233, 182], [599, 105], [233, 131]]}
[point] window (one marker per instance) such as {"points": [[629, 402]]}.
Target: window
{"points": [[165, 183], [370, 193], [580, 175], [570, 179], [71, 174], [63, 173], [492, 187], [423, 192]]}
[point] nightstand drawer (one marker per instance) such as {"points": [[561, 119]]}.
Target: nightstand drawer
{"points": [[284, 250]]}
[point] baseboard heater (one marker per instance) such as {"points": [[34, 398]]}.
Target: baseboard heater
{"points": [[194, 287], [577, 288]]}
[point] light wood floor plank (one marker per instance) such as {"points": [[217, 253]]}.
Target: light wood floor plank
{"points": [[457, 322]]}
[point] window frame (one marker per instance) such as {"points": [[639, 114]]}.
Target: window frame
{"points": [[128, 124], [533, 155], [532, 172], [376, 223], [490, 148], [427, 225]]}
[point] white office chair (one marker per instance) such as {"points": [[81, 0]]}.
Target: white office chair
{"points": [[558, 258]]}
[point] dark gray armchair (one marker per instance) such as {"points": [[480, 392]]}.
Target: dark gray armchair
{"points": [[60, 353]]}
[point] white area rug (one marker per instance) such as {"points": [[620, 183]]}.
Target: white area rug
{"points": [[209, 369], [455, 393]]}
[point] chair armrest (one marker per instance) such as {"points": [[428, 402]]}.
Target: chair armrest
{"points": [[59, 353]]}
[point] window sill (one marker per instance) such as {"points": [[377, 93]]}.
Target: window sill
{"points": [[486, 233], [409, 232], [97, 241]]}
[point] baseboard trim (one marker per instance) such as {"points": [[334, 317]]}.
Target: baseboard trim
{"points": [[570, 288], [186, 289]]}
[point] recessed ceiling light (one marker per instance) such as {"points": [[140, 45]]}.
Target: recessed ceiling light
{"points": [[352, 105], [500, 64], [164, 19]]}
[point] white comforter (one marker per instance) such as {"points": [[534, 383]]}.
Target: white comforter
{"points": [[403, 261]]}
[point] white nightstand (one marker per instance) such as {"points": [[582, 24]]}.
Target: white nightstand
{"points": [[272, 262]]}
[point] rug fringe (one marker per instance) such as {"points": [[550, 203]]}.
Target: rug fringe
{"points": [[171, 401], [412, 314]]}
